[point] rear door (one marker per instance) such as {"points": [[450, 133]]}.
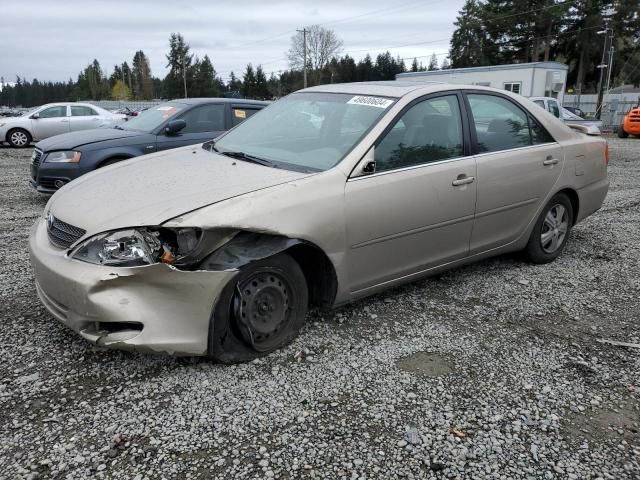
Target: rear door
{"points": [[204, 122], [83, 117], [239, 113], [416, 210], [51, 121], [518, 164]]}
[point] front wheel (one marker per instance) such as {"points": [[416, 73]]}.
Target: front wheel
{"points": [[262, 309], [551, 231], [18, 138]]}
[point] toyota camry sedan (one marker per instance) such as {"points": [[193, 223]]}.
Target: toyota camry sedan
{"points": [[331, 194]]}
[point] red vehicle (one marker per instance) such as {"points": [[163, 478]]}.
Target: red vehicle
{"points": [[630, 124]]}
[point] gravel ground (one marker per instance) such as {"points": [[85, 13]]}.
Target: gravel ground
{"points": [[489, 371]]}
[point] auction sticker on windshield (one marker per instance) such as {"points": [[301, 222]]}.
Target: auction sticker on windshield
{"points": [[370, 101]]}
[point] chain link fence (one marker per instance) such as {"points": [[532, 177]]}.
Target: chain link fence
{"points": [[614, 107]]}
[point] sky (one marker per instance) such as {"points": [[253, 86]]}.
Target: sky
{"points": [[55, 40]]}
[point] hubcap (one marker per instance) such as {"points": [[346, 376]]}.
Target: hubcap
{"points": [[19, 139], [554, 228], [262, 306]]}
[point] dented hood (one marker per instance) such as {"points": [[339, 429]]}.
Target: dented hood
{"points": [[152, 189]]}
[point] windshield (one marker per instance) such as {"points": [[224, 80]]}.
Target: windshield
{"points": [[306, 131], [152, 118]]}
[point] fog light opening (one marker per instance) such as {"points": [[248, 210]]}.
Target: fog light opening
{"points": [[59, 183]]}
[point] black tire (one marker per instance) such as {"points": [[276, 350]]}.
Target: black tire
{"points": [[273, 294], [622, 133], [541, 250], [18, 138]]}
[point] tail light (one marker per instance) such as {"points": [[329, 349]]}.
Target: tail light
{"points": [[606, 153]]}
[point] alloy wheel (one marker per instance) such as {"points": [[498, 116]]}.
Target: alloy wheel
{"points": [[19, 139], [554, 228]]}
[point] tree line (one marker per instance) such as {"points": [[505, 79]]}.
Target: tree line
{"points": [[493, 32], [487, 32]]}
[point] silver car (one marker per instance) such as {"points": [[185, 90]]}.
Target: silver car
{"points": [[54, 119], [326, 196]]}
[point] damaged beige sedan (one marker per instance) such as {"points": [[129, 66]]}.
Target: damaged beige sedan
{"points": [[328, 195]]}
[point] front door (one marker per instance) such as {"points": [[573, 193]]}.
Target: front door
{"points": [[51, 121], [204, 123], [416, 211], [518, 164]]}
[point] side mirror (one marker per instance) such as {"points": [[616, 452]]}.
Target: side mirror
{"points": [[367, 164], [174, 126], [35, 116]]}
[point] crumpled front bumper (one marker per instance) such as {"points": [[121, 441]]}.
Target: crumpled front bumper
{"points": [[153, 308]]}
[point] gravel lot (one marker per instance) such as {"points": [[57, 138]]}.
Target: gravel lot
{"points": [[490, 371]]}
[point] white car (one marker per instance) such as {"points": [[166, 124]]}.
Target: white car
{"points": [[54, 119]]}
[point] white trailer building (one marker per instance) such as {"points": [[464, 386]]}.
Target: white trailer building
{"points": [[537, 79]]}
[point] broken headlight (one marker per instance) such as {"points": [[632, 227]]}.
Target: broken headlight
{"points": [[137, 246]]}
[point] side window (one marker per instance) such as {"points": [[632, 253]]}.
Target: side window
{"points": [[500, 125], [513, 87], [53, 112], [240, 114], [540, 103], [82, 111], [429, 131], [539, 134], [205, 118], [554, 109]]}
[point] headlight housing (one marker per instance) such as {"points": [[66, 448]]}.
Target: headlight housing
{"points": [[138, 246], [66, 156]]}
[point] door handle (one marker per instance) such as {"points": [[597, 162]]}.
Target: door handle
{"points": [[550, 161], [65, 121], [463, 180]]}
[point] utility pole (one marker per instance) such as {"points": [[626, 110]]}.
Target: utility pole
{"points": [[606, 57], [184, 77], [304, 54]]}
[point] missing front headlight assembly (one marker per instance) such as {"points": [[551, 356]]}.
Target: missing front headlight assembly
{"points": [[139, 246]]}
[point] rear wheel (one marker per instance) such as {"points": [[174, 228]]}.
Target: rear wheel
{"points": [[551, 231], [18, 138], [621, 132], [262, 309]]}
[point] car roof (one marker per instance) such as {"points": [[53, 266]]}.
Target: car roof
{"points": [[197, 101], [387, 88]]}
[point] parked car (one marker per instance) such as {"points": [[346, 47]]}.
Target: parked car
{"points": [[58, 160], [630, 124], [219, 249], [575, 111], [53, 119], [551, 105]]}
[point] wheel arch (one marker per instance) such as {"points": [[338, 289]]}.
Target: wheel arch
{"points": [[575, 201], [247, 246]]}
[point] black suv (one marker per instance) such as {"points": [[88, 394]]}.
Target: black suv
{"points": [[58, 160]]}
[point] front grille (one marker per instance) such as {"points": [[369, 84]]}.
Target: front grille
{"points": [[62, 234], [36, 157]]}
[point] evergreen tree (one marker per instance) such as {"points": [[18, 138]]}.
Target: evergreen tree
{"points": [[179, 63], [414, 65], [469, 43], [261, 88], [433, 63], [142, 80], [248, 83]]}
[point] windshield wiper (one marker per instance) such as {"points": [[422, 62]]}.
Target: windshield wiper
{"points": [[118, 127], [249, 158]]}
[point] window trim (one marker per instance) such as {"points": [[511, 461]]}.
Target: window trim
{"points": [[94, 114], [188, 110], [473, 134], [519, 92], [466, 140], [66, 109]]}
